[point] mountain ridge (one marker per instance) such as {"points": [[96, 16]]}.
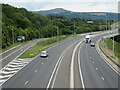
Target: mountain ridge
{"points": [[84, 15]]}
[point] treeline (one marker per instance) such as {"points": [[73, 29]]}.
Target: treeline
{"points": [[20, 22]]}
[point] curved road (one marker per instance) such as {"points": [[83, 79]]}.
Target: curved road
{"points": [[96, 73]]}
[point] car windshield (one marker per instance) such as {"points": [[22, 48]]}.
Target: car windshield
{"points": [[43, 52]]}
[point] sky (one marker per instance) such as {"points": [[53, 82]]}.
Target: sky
{"points": [[72, 5]]}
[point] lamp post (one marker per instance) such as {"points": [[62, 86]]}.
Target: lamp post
{"points": [[12, 36], [74, 26], [113, 47], [106, 23]]}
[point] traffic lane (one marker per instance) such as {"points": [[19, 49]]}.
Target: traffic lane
{"points": [[14, 55], [105, 69], [44, 71], [109, 75], [90, 76], [4, 54], [62, 79], [103, 77], [8, 59]]}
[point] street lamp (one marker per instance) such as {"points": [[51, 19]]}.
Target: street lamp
{"points": [[113, 46], [106, 22], [12, 36], [74, 27]]}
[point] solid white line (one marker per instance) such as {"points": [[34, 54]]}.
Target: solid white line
{"points": [[13, 52], [102, 78], [58, 69], [105, 59], [35, 70], [9, 49], [26, 82], [48, 86], [72, 66], [80, 71]]}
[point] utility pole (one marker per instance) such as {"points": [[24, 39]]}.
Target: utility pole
{"points": [[113, 47], [74, 26], [106, 28], [12, 36], [57, 34]]}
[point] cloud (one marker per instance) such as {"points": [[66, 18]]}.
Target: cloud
{"points": [[20, 1], [84, 6], [73, 5]]}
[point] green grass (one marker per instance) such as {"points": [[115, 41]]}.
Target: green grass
{"points": [[13, 45], [35, 50], [74, 36], [116, 47]]}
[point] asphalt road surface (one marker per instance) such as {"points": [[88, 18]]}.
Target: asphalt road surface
{"points": [[13, 53], [38, 73], [89, 69], [96, 73]]}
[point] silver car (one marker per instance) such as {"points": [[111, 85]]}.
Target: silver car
{"points": [[92, 44], [44, 54]]}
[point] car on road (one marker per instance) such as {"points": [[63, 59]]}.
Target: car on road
{"points": [[92, 44], [43, 54], [111, 32]]}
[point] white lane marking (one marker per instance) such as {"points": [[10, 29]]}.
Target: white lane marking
{"points": [[72, 66], [42, 63], [102, 78], [80, 71], [93, 62], [105, 59], [50, 80], [35, 70], [58, 69], [96, 68], [9, 49], [26, 82], [13, 52]]}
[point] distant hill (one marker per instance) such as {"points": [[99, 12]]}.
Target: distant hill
{"points": [[83, 15]]}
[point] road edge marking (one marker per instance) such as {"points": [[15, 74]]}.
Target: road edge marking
{"points": [[72, 66], [56, 66], [97, 49], [80, 71]]}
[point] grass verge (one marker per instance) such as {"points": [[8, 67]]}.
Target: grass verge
{"points": [[110, 47], [35, 50], [116, 47]]}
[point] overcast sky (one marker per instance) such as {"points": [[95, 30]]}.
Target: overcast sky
{"points": [[73, 5]]}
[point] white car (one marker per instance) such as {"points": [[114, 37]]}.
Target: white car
{"points": [[44, 54], [92, 44]]}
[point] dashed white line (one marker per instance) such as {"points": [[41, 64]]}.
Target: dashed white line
{"points": [[35, 70], [42, 63], [93, 62], [26, 82], [102, 78]]}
